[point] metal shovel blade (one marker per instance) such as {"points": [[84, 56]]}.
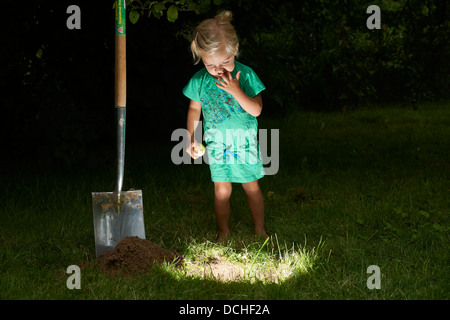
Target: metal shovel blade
{"points": [[116, 219]]}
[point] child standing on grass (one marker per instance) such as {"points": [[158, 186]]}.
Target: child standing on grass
{"points": [[228, 94]]}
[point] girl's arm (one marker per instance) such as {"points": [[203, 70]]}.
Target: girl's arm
{"points": [[195, 109], [249, 104]]}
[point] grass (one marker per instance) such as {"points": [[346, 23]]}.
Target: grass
{"points": [[354, 189]]}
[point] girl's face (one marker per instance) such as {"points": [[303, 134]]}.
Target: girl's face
{"points": [[219, 63]]}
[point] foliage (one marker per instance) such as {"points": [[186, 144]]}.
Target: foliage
{"points": [[320, 54], [315, 55], [60, 82], [139, 8]]}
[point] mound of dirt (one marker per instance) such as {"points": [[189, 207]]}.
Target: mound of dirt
{"points": [[134, 256]]}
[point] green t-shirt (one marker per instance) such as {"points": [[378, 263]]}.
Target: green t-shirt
{"points": [[230, 132]]}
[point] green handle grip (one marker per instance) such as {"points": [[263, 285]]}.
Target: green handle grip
{"points": [[121, 17]]}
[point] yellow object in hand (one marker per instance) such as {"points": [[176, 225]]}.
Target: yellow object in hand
{"points": [[200, 149]]}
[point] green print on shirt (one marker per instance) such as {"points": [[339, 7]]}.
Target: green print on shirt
{"points": [[217, 107]]}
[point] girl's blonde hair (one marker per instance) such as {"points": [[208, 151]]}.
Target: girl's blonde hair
{"points": [[214, 34]]}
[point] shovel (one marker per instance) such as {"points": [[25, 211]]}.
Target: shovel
{"points": [[118, 214]]}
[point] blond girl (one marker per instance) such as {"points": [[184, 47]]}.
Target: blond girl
{"points": [[228, 95]]}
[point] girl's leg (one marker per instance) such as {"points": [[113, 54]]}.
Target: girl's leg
{"points": [[256, 204], [222, 192]]}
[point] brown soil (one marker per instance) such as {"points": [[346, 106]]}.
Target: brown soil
{"points": [[134, 256]]}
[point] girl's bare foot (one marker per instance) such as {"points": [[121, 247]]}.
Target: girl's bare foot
{"points": [[223, 236], [262, 234]]}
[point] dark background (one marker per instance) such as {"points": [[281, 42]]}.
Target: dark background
{"points": [[58, 84]]}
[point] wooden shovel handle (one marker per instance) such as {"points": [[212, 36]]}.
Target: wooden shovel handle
{"points": [[120, 71], [120, 54]]}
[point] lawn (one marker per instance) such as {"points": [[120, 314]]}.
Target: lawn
{"points": [[354, 189]]}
